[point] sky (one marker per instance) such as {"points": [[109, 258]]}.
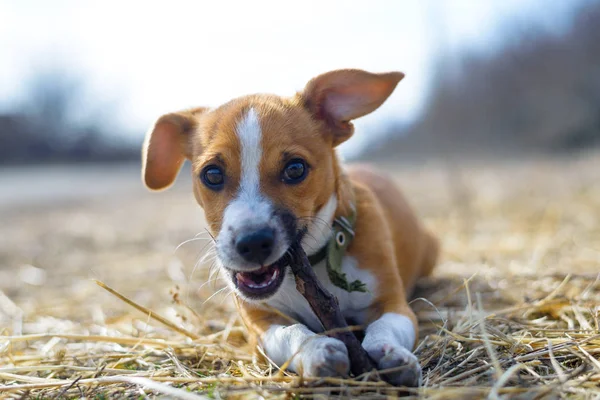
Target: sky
{"points": [[139, 59]]}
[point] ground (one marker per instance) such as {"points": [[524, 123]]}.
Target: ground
{"points": [[512, 308]]}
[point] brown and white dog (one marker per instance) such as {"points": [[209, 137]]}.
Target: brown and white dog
{"points": [[265, 170]]}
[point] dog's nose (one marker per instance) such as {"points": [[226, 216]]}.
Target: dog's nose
{"points": [[256, 246]]}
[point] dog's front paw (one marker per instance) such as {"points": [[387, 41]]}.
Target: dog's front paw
{"points": [[324, 356], [403, 365]]}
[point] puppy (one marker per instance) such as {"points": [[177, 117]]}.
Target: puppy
{"points": [[266, 173]]}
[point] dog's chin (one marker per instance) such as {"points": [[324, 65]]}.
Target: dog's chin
{"points": [[262, 283]]}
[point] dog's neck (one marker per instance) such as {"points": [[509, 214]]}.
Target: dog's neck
{"points": [[343, 190], [340, 204], [333, 247]]}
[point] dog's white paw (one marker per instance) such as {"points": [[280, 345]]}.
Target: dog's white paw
{"points": [[387, 341], [404, 366], [324, 356]]}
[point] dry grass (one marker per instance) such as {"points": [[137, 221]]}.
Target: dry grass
{"points": [[512, 309]]}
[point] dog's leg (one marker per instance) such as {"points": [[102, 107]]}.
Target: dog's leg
{"points": [[389, 341], [430, 254], [310, 354]]}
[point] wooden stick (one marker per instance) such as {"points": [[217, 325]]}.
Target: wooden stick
{"points": [[326, 308]]}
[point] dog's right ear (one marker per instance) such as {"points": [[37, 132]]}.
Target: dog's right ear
{"points": [[166, 146]]}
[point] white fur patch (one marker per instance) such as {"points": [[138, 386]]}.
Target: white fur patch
{"points": [[389, 342], [282, 342], [311, 354], [249, 209], [390, 329], [250, 136], [353, 305], [319, 230]]}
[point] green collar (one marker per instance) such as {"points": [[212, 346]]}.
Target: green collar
{"points": [[342, 233]]}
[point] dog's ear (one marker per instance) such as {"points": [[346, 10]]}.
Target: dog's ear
{"points": [[166, 146], [337, 97]]}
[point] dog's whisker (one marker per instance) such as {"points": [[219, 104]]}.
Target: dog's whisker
{"points": [[195, 239], [226, 295], [206, 254], [215, 293], [210, 281], [210, 256], [219, 276], [212, 270], [191, 276], [210, 234], [320, 223], [196, 266]]}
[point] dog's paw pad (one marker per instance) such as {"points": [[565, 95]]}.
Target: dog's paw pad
{"points": [[325, 356], [402, 365]]}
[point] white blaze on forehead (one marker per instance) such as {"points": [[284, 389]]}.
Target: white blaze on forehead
{"points": [[249, 134]]}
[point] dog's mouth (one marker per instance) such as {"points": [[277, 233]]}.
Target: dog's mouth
{"points": [[261, 283]]}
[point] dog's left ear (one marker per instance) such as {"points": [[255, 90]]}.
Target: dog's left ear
{"points": [[337, 97]]}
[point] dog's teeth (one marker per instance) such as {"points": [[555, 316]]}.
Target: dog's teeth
{"points": [[262, 285], [274, 276], [259, 286]]}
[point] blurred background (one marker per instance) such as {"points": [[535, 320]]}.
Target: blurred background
{"points": [[81, 82], [491, 134]]}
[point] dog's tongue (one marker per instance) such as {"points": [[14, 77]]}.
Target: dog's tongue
{"points": [[259, 276]]}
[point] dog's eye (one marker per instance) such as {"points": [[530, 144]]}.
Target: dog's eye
{"points": [[213, 177], [295, 171]]}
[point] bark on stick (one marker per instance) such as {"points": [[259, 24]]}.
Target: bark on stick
{"points": [[326, 308]]}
